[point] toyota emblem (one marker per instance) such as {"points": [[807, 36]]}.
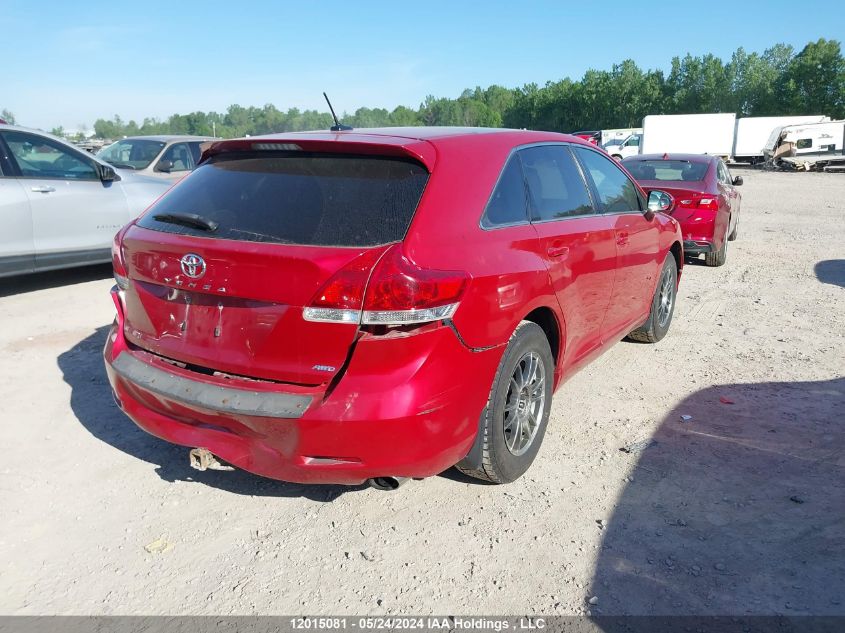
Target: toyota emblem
{"points": [[193, 265]]}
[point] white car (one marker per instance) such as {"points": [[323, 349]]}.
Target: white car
{"points": [[628, 147], [169, 157], [60, 206]]}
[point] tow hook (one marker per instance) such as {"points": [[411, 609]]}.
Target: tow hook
{"points": [[203, 459]]}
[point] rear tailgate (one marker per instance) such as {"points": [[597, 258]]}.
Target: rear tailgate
{"points": [[231, 299]]}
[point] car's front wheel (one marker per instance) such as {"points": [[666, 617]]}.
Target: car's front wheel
{"points": [[662, 305], [517, 412]]}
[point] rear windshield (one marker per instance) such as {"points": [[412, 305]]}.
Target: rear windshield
{"points": [[297, 198], [673, 170]]}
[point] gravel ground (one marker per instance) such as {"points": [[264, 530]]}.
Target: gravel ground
{"points": [[739, 510]]}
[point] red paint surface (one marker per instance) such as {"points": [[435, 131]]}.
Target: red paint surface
{"points": [[386, 403]]}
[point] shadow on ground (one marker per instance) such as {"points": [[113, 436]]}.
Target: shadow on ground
{"points": [[738, 511], [831, 271], [93, 405], [53, 279]]}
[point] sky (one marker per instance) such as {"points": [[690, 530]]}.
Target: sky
{"points": [[69, 63]]}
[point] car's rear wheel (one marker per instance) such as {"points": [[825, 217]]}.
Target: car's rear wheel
{"points": [[717, 258], [517, 412], [662, 305]]}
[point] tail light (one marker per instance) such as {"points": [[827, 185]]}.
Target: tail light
{"points": [[396, 293], [401, 293], [341, 299], [118, 263], [709, 203]]}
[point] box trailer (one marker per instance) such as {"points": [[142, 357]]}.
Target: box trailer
{"points": [[752, 133], [689, 134]]}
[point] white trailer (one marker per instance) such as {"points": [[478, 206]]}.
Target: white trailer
{"points": [[752, 133], [810, 139], [689, 134]]}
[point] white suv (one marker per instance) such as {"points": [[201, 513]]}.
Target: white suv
{"points": [[61, 206]]}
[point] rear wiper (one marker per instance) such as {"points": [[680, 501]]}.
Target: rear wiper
{"points": [[187, 219]]}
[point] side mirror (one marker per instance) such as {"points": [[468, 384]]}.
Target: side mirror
{"points": [[107, 173], [659, 201], [165, 166], [737, 181]]}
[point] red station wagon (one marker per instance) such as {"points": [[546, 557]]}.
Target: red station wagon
{"points": [[706, 200], [374, 305]]}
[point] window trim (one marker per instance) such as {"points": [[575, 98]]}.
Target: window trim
{"points": [[567, 148], [567, 145], [592, 186]]}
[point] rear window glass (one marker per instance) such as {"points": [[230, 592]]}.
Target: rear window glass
{"points": [[674, 170], [296, 198]]}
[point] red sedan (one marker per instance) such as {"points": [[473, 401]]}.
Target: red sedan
{"points": [[706, 199], [375, 305]]}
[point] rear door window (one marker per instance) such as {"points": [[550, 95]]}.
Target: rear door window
{"points": [[296, 198], [507, 205], [555, 185], [615, 190]]}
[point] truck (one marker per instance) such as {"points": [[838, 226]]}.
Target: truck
{"points": [[752, 133], [689, 134], [628, 146]]}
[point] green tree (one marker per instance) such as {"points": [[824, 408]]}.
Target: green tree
{"points": [[772, 83], [816, 80]]}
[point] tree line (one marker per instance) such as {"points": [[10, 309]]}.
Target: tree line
{"points": [[780, 81]]}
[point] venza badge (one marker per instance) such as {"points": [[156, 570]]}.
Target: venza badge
{"points": [[193, 265]]}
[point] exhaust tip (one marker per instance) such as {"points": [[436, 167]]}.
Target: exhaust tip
{"points": [[386, 483]]}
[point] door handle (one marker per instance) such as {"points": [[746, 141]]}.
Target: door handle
{"points": [[43, 189], [622, 239], [558, 251]]}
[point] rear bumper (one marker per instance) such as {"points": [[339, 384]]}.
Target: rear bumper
{"points": [[697, 247], [406, 406]]}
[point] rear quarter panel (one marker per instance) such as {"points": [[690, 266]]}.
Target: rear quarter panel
{"points": [[508, 277]]}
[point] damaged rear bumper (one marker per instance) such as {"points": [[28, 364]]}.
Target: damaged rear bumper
{"points": [[405, 406]]}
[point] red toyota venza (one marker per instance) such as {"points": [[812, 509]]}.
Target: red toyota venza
{"points": [[706, 200], [382, 304]]}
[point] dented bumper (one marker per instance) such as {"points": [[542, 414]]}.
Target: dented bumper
{"points": [[405, 405]]}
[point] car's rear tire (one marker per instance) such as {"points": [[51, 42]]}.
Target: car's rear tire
{"points": [[662, 305], [517, 411], [717, 258]]}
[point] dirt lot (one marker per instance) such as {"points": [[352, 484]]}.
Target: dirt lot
{"points": [[740, 510]]}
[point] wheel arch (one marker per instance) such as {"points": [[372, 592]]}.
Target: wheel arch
{"points": [[549, 322], [678, 253]]}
